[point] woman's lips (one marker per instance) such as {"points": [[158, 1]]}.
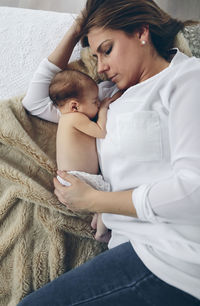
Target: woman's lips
{"points": [[113, 78]]}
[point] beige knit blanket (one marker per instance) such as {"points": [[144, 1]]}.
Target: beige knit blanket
{"points": [[39, 238]]}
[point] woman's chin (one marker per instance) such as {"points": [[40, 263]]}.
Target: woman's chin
{"points": [[121, 86]]}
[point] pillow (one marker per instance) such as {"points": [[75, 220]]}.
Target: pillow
{"points": [[192, 34], [27, 36], [182, 44]]}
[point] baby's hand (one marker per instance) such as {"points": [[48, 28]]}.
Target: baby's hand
{"points": [[106, 102]]}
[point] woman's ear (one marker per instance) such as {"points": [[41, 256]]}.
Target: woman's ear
{"points": [[143, 34], [73, 106]]}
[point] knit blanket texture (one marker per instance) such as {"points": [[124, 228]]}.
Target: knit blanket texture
{"points": [[40, 237]]}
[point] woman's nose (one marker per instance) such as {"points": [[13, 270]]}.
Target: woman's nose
{"points": [[102, 67]]}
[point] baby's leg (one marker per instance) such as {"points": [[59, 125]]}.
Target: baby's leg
{"points": [[96, 181], [94, 221], [102, 233]]}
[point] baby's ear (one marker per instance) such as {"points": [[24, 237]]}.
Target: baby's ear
{"points": [[73, 106]]}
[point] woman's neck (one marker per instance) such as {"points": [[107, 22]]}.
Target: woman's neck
{"points": [[154, 65]]}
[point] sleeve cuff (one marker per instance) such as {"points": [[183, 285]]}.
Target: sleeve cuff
{"points": [[51, 66], [141, 203]]}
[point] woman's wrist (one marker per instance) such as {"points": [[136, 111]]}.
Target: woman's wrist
{"points": [[61, 55], [119, 202], [73, 32]]}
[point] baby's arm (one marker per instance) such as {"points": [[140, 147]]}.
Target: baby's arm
{"points": [[102, 115], [98, 129]]}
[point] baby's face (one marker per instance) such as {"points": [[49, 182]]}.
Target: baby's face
{"points": [[90, 103]]}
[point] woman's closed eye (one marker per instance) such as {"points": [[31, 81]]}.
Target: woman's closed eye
{"points": [[108, 50], [96, 101]]}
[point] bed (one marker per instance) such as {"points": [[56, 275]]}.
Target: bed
{"points": [[40, 238]]}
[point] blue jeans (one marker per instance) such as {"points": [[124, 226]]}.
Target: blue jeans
{"points": [[116, 277]]}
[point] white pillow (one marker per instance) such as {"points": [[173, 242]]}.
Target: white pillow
{"points": [[26, 37]]}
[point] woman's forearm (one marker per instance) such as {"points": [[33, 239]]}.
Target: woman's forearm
{"points": [[119, 202], [82, 197], [61, 55]]}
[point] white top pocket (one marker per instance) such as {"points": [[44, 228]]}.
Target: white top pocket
{"points": [[140, 135]]}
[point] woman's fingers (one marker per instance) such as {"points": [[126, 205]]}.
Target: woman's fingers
{"points": [[67, 177], [56, 183], [79, 22], [75, 196], [59, 191]]}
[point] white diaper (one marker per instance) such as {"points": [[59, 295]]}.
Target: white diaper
{"points": [[94, 180]]}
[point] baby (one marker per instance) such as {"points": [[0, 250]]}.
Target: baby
{"points": [[76, 96]]}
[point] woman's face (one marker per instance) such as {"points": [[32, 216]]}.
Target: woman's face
{"points": [[119, 55]]}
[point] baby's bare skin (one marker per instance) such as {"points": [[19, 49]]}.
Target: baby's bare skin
{"points": [[76, 139], [76, 149]]}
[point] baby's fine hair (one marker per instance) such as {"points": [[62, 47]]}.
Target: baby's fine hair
{"points": [[69, 84]]}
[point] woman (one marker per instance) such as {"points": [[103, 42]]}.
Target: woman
{"points": [[150, 156]]}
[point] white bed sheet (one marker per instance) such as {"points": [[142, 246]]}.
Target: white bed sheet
{"points": [[26, 37]]}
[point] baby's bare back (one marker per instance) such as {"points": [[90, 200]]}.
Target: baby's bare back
{"points": [[75, 149]]}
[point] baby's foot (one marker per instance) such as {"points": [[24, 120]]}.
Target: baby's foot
{"points": [[103, 237], [94, 221]]}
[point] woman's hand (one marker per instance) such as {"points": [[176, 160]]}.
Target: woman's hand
{"points": [[78, 24], [78, 196], [83, 198], [105, 103], [61, 55]]}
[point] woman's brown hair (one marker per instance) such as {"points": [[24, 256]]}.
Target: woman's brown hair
{"points": [[132, 15]]}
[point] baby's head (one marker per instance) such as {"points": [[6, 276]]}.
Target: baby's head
{"points": [[74, 91]]}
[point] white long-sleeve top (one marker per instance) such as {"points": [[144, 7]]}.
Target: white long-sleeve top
{"points": [[153, 147]]}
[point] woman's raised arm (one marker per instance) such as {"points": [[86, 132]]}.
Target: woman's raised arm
{"points": [[61, 55], [37, 100]]}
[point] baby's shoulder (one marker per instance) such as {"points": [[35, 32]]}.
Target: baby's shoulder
{"points": [[74, 118], [77, 116]]}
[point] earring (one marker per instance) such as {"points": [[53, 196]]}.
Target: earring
{"points": [[143, 42]]}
